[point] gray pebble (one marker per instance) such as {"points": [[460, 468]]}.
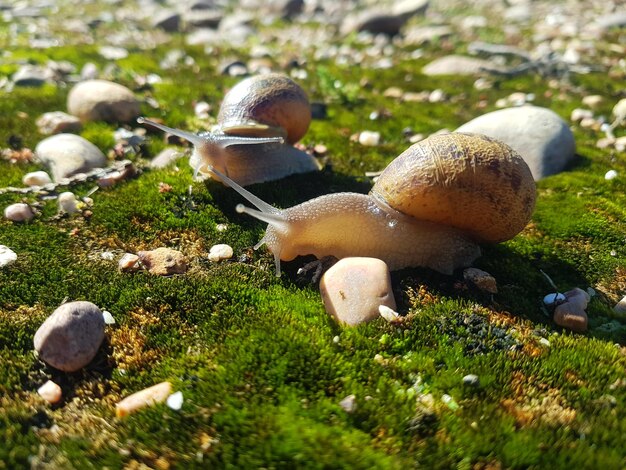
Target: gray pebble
{"points": [[68, 154], [472, 380], [56, 122], [70, 338], [539, 135], [102, 100]]}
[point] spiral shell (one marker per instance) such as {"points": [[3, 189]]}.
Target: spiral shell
{"points": [[266, 105], [468, 181]]}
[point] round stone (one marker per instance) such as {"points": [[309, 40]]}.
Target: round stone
{"points": [[70, 338], [68, 154], [18, 212], [539, 135], [102, 100]]}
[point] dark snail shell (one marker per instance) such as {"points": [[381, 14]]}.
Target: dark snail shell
{"points": [[266, 105], [468, 181]]}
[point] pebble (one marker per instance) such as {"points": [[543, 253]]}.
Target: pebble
{"points": [[70, 338], [619, 110], [377, 20], [165, 158], [30, 76], [593, 101], [68, 154], [551, 299], [18, 212], [149, 396], [388, 314], [36, 178], [7, 256], [102, 100], [579, 114], [220, 252], [108, 318], [456, 65], [56, 122], [354, 288], [163, 261], [620, 307], [115, 177], [68, 203], [369, 138], [481, 279], [539, 135], [129, 263], [610, 175], [472, 380], [348, 404], [168, 20], [51, 392], [571, 313]]}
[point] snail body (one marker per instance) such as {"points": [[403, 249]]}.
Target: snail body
{"points": [[430, 207], [259, 121]]}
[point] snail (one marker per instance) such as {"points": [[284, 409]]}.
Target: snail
{"points": [[430, 207], [259, 121]]}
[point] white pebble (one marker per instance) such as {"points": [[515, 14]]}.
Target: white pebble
{"points": [[107, 255], [610, 175], [551, 299], [220, 252], [387, 313], [369, 138], [50, 392], [348, 404], [68, 203], [175, 401], [108, 318], [36, 178], [544, 342], [7, 256], [221, 227], [18, 212], [436, 96], [579, 114], [336, 339]]}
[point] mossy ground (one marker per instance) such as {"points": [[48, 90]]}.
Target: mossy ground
{"points": [[255, 356]]}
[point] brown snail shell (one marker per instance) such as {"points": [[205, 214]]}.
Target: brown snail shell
{"points": [[468, 181], [266, 105]]}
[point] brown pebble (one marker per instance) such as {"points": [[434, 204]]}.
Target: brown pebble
{"points": [[481, 279], [148, 396], [50, 392], [163, 261], [571, 313]]}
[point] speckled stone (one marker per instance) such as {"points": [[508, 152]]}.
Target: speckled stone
{"points": [[354, 288], [70, 338], [163, 261]]}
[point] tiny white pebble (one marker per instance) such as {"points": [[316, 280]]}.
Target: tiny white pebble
{"points": [[220, 252], [348, 404], [613, 253], [544, 342], [18, 212], [7, 256], [336, 340], [50, 392], [369, 138], [108, 318], [221, 227], [436, 96], [36, 178], [551, 299], [387, 313], [202, 109], [107, 255], [610, 175], [67, 202], [579, 114], [175, 401], [378, 358]]}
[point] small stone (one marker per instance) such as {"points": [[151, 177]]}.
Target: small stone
{"points": [[175, 401], [70, 338], [354, 288], [163, 261], [149, 396], [620, 308], [7, 256], [593, 101], [56, 122], [551, 299], [68, 154], [202, 110], [129, 263], [348, 404], [544, 342], [481, 279], [610, 175], [108, 318], [369, 138], [471, 380], [220, 252], [571, 313], [221, 227], [579, 114], [619, 110], [50, 392], [18, 212], [336, 339], [388, 314], [68, 202], [36, 178], [436, 96], [102, 100]]}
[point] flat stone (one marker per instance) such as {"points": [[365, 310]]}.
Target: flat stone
{"points": [[68, 154], [148, 396], [163, 261], [539, 135], [70, 338], [457, 65], [354, 288], [56, 122], [102, 100]]}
